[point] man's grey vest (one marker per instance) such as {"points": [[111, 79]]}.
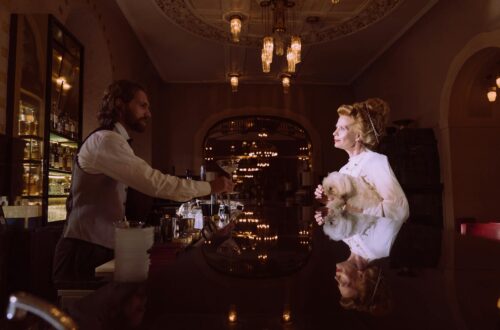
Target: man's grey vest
{"points": [[95, 202]]}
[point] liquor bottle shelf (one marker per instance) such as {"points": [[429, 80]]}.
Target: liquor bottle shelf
{"points": [[59, 171], [32, 196], [32, 161], [61, 138], [32, 137]]}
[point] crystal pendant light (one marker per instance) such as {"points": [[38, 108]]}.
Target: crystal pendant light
{"points": [[290, 57], [492, 94], [285, 80], [296, 46], [234, 82], [235, 28]]}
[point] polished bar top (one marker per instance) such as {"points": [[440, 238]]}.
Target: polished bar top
{"points": [[436, 279]]}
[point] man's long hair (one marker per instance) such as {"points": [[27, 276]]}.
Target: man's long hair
{"points": [[109, 112]]}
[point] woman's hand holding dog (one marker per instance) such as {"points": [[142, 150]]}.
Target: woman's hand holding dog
{"points": [[320, 214], [319, 194]]}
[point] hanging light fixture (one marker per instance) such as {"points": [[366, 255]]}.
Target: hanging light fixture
{"points": [[296, 46], [278, 36], [267, 54], [234, 80], [285, 81], [498, 81], [492, 94], [235, 24], [291, 59]]}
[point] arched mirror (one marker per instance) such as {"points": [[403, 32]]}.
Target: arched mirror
{"points": [[271, 158]]}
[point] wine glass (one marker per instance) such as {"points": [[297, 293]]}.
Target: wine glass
{"points": [[229, 165]]}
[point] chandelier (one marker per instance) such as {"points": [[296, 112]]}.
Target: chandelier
{"points": [[279, 36]]}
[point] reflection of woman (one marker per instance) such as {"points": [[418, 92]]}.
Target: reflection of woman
{"points": [[368, 232], [362, 286]]}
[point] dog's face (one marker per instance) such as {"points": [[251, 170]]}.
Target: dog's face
{"points": [[337, 185]]}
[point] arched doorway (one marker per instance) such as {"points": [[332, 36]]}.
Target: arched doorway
{"points": [[474, 140], [274, 157], [467, 131]]}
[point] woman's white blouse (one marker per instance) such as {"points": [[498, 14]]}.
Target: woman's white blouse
{"points": [[377, 226]]}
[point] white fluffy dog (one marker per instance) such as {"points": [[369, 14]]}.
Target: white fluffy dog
{"points": [[343, 189]]}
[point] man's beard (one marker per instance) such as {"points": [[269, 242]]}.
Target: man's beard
{"points": [[136, 124]]}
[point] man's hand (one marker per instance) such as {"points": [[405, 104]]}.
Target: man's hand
{"points": [[319, 194], [320, 214], [221, 184]]}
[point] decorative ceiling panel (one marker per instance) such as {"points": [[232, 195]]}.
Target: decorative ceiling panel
{"points": [[188, 40], [207, 18]]}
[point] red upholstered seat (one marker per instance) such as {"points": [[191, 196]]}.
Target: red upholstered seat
{"points": [[489, 230]]}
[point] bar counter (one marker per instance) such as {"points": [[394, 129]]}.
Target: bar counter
{"points": [[436, 279]]}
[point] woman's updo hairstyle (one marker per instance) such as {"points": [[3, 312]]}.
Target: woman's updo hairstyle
{"points": [[370, 118], [374, 295]]}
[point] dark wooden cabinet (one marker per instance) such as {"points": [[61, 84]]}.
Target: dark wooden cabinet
{"points": [[414, 158]]}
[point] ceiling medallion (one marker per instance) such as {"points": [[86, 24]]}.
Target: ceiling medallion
{"points": [[181, 14]]}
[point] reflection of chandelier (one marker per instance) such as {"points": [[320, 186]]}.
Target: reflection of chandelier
{"points": [[262, 163], [262, 149], [248, 165], [304, 152]]}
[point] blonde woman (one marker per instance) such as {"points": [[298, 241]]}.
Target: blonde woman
{"points": [[370, 231]]}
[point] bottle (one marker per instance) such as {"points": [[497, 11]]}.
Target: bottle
{"points": [[35, 149], [29, 115], [60, 123], [203, 176], [26, 180], [69, 159], [52, 156], [67, 126], [56, 156], [60, 152], [21, 120], [26, 151], [72, 129], [53, 116], [35, 127]]}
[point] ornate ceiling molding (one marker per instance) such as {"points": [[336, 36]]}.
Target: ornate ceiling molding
{"points": [[182, 15]]}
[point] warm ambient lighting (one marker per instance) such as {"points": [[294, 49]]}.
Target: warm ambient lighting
{"points": [[335, 2], [285, 80], [235, 28], [234, 83], [498, 81], [63, 83], [492, 94], [232, 316], [287, 316]]}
